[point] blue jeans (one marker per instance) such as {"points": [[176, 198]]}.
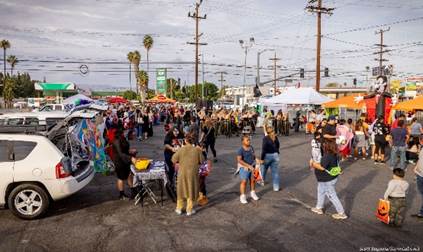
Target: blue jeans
{"points": [[394, 155], [272, 161], [328, 189], [138, 127], [420, 188]]}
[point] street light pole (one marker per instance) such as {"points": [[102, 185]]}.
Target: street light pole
{"points": [[246, 46], [258, 64]]}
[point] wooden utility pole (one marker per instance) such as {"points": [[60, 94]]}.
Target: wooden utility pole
{"points": [[196, 42], [221, 81], [381, 51], [274, 59], [319, 10]]}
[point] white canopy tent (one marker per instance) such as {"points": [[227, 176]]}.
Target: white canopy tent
{"points": [[73, 99], [297, 96]]}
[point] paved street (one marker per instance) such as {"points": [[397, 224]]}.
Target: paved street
{"points": [[94, 220]]}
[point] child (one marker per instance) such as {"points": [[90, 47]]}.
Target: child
{"points": [[397, 189], [246, 160], [204, 172], [316, 149]]}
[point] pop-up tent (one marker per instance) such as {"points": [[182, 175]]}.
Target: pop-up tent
{"points": [[161, 99], [348, 102], [300, 96], [415, 104], [77, 99]]}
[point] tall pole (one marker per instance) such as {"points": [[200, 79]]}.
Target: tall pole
{"points": [[221, 78], [196, 42], [381, 51], [202, 70], [246, 45], [258, 64], [319, 44], [274, 59], [319, 10]]}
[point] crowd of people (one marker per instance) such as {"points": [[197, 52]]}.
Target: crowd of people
{"points": [[191, 133]]}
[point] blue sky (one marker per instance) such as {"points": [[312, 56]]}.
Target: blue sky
{"points": [[91, 31]]}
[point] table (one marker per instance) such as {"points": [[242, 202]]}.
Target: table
{"points": [[155, 173]]}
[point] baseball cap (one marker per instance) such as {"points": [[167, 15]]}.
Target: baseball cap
{"points": [[331, 117]]}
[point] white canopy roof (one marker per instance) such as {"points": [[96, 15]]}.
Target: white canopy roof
{"points": [[303, 96], [73, 99]]}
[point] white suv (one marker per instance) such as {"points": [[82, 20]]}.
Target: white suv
{"points": [[33, 172]]}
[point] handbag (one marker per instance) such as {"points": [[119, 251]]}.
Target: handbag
{"points": [[382, 212]]}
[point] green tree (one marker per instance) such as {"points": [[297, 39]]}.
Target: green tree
{"points": [[172, 87], [5, 44], [23, 86], [142, 78], [135, 58], [211, 92], [8, 92], [130, 57], [130, 95], [148, 44], [12, 60], [151, 93]]}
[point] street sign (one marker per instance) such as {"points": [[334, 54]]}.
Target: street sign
{"points": [[161, 81]]}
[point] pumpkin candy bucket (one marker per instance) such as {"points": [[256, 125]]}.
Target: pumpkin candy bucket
{"points": [[383, 209]]}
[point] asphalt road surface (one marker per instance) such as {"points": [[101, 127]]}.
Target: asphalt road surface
{"points": [[95, 220]]}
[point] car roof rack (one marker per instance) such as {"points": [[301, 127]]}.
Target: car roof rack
{"points": [[23, 129]]}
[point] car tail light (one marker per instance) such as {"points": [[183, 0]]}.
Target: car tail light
{"points": [[60, 171]]}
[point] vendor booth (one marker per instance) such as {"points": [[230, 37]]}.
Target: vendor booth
{"points": [[160, 99], [414, 104], [346, 107]]}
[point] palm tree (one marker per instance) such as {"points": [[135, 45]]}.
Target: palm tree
{"points": [[142, 81], [148, 44], [5, 44], [130, 57], [136, 58], [12, 60]]}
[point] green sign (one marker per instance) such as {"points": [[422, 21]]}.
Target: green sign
{"points": [[161, 81]]}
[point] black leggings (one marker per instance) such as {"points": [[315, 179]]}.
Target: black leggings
{"points": [[211, 144], [380, 144]]}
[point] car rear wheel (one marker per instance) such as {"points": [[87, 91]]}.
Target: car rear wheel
{"points": [[28, 201]]}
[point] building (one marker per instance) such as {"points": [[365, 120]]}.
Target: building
{"points": [[338, 92]]}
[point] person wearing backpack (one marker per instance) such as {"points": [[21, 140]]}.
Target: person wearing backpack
{"points": [[326, 180]]}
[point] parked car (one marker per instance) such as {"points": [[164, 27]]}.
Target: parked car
{"points": [[29, 181], [51, 107]]}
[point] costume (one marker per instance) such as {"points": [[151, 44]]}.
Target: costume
{"points": [[380, 101]]}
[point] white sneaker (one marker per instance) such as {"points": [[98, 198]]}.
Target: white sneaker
{"points": [[191, 213], [317, 210], [254, 195], [243, 199], [178, 211], [339, 216]]}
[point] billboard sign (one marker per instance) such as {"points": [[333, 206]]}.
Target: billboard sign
{"points": [[161, 77]]}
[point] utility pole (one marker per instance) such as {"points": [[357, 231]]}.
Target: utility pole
{"points": [[274, 59], [319, 10], [246, 46], [381, 51], [197, 17], [221, 81], [202, 73]]}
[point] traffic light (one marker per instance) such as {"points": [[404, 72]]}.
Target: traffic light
{"points": [[301, 72], [355, 82], [326, 72]]}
